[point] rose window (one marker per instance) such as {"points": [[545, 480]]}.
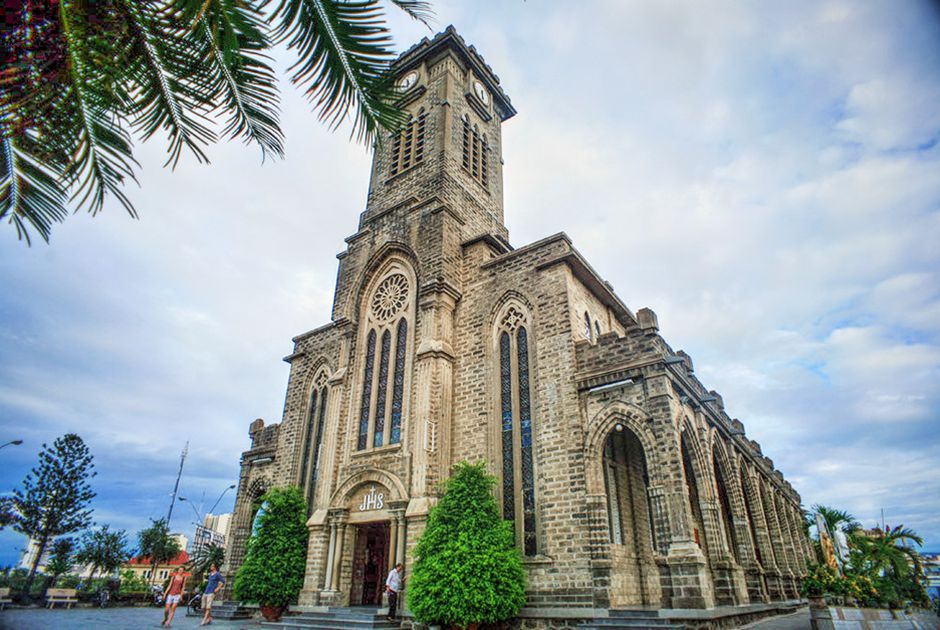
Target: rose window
{"points": [[390, 297]]}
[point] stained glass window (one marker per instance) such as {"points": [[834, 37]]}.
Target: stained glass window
{"points": [[311, 428], [383, 388], [505, 377], [525, 438], [400, 349], [613, 492], [366, 392], [319, 441]]}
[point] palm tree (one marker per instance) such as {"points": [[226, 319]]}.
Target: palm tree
{"points": [[836, 520], [889, 552], [80, 80]]}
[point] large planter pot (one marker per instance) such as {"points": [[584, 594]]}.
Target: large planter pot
{"points": [[817, 601], [272, 613]]}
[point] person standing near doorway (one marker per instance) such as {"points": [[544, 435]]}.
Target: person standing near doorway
{"points": [[394, 586], [213, 585], [173, 594]]}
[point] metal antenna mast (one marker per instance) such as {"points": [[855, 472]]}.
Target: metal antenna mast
{"points": [[169, 514]]}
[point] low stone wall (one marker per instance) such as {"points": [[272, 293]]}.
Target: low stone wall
{"points": [[832, 617]]}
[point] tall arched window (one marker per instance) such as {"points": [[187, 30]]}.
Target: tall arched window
{"points": [[313, 439], [476, 151], [516, 436], [408, 144], [587, 326], [382, 402]]}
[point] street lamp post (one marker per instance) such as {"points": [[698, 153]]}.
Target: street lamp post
{"points": [[212, 509], [16, 443]]}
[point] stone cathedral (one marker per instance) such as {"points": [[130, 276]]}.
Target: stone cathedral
{"points": [[627, 483]]}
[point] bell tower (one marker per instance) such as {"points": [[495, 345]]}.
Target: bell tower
{"points": [[451, 150]]}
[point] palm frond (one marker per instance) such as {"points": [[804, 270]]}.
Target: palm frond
{"points": [[31, 189], [170, 89], [417, 9], [344, 57], [103, 155], [230, 35]]}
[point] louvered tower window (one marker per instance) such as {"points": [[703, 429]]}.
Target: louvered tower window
{"points": [[476, 151], [408, 144]]}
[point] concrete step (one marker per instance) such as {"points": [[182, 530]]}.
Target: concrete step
{"points": [[633, 612], [634, 624], [336, 619], [229, 610], [627, 622]]}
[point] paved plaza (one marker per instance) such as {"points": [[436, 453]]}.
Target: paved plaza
{"points": [[105, 618]]}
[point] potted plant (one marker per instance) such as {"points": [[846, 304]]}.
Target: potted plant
{"points": [[468, 569], [816, 584], [273, 572]]}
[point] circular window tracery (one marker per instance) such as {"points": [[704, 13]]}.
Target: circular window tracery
{"points": [[390, 297]]}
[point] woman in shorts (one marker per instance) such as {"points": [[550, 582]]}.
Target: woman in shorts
{"points": [[173, 594]]}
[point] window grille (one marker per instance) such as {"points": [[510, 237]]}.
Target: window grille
{"points": [[476, 151], [409, 143], [379, 431], [401, 343], [505, 372], [366, 392]]}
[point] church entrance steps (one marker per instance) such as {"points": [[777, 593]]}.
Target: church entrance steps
{"points": [[358, 618], [227, 610], [630, 619]]}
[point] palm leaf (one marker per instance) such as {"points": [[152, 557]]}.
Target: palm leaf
{"points": [[170, 89], [103, 155], [230, 35], [344, 57], [31, 189], [417, 9]]}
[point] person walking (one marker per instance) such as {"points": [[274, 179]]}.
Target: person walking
{"points": [[173, 594], [394, 586], [214, 584]]}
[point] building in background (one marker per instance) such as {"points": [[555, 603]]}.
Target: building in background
{"points": [[141, 566], [932, 573], [213, 531], [181, 539]]}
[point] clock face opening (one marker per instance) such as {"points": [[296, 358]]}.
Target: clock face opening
{"points": [[480, 92], [408, 81]]}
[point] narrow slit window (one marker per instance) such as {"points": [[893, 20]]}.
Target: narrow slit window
{"points": [[366, 392]]}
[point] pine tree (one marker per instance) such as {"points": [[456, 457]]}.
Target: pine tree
{"points": [[467, 568], [55, 497]]}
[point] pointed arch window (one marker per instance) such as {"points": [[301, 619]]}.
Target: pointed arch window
{"points": [[408, 144], [313, 440], [516, 430], [383, 397], [476, 152]]}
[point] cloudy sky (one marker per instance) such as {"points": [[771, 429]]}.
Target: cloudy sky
{"points": [[766, 177]]}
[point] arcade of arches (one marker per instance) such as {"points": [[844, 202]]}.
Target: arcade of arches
{"points": [[627, 483]]}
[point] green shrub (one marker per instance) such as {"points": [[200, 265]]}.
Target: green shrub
{"points": [[132, 582], [467, 567], [273, 571]]}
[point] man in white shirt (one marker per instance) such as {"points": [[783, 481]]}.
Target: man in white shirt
{"points": [[393, 585]]}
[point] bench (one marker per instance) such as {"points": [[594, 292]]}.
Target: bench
{"points": [[5, 597], [60, 596]]}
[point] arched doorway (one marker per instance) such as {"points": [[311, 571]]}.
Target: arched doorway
{"points": [[626, 484]]}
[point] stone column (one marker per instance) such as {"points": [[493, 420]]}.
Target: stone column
{"points": [[781, 551], [392, 542], [330, 557], [743, 541], [402, 535], [764, 542], [433, 386], [338, 555]]}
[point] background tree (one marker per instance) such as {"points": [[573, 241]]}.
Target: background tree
{"points": [[467, 568], [273, 571], [55, 496], [60, 560], [156, 544], [103, 550], [79, 79]]}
